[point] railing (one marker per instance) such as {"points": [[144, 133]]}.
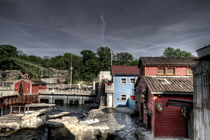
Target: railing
{"points": [[8, 93], [70, 91], [59, 86], [6, 88]]}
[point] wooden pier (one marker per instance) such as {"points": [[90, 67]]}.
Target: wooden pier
{"points": [[23, 109], [28, 116]]}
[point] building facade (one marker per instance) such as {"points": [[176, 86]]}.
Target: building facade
{"points": [[24, 92], [124, 78], [202, 95], [29, 86], [28, 90], [161, 79], [99, 87]]}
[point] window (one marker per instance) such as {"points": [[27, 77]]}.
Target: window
{"points": [[171, 71], [206, 80], [161, 71], [123, 97], [189, 71], [123, 80], [132, 80]]}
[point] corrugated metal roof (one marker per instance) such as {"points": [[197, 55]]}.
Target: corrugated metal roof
{"points": [[163, 61], [170, 84], [125, 70]]}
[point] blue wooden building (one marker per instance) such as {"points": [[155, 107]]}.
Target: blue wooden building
{"points": [[124, 78]]}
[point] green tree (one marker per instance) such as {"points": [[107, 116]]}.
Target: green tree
{"points": [[134, 62], [90, 65], [123, 58], [87, 54], [35, 59], [7, 52], [104, 56], [77, 66], [171, 52]]}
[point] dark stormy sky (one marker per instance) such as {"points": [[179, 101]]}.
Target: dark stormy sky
{"points": [[141, 27]]}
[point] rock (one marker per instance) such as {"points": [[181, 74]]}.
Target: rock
{"points": [[59, 115], [33, 122], [54, 123], [91, 121], [12, 125], [70, 119]]}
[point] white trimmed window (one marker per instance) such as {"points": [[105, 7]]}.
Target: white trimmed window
{"points": [[123, 97], [170, 71], [161, 71], [123, 81], [132, 80]]}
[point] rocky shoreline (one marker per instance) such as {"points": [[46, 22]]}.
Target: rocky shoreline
{"points": [[98, 124]]}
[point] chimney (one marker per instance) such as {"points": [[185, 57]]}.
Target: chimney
{"points": [[26, 76]]}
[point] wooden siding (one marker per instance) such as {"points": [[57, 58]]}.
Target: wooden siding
{"points": [[35, 89], [170, 122], [26, 85], [181, 71], [152, 70]]}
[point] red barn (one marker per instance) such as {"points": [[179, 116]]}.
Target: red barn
{"points": [[162, 79], [28, 90], [29, 86]]}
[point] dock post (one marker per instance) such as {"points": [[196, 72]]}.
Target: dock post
{"points": [[10, 113], [19, 109], [82, 101], [24, 110], [2, 110]]}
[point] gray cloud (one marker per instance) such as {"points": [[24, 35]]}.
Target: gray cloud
{"points": [[141, 27]]}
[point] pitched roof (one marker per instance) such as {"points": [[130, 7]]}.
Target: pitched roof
{"points": [[38, 82], [163, 61], [35, 81], [125, 70], [170, 84], [204, 53]]}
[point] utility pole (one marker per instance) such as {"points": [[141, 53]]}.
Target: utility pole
{"points": [[71, 68], [111, 58]]}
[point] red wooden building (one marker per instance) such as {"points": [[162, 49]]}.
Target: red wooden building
{"points": [[29, 86], [25, 92], [162, 79], [28, 90]]}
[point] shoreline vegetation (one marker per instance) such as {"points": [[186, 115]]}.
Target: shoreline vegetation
{"points": [[85, 67]]}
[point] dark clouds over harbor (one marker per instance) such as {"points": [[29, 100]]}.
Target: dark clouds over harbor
{"points": [[141, 27]]}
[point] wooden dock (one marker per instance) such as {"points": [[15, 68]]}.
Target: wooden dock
{"points": [[28, 116], [29, 108]]}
